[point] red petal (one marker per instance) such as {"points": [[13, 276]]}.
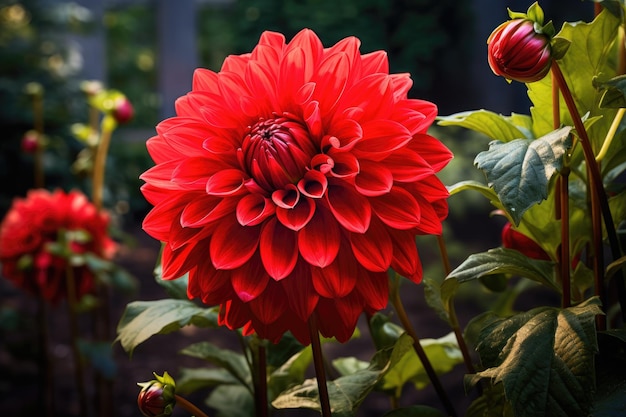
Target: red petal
{"points": [[375, 62], [319, 240], [338, 318], [343, 134], [158, 221], [253, 209], [187, 137], [302, 295], [408, 166], [268, 307], [215, 287], [249, 280], [312, 47], [299, 216], [405, 261], [373, 179], [337, 279], [232, 245], [279, 251], [161, 175], [286, 198], [398, 209], [345, 165], [204, 79], [432, 150], [226, 182], [234, 314], [331, 78], [313, 184], [373, 249], [177, 263], [381, 138], [206, 209], [350, 208], [193, 173], [374, 289]]}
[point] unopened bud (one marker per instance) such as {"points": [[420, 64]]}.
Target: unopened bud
{"points": [[157, 398]]}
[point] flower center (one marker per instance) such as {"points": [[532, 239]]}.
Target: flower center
{"points": [[277, 151]]}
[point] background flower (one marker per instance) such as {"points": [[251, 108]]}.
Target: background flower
{"points": [[291, 181], [30, 245]]}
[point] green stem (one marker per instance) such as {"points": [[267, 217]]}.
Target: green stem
{"points": [[46, 380], [564, 264], [417, 346], [454, 321], [73, 323], [611, 134], [318, 363], [99, 166], [598, 197], [260, 378], [38, 171], [188, 406]]}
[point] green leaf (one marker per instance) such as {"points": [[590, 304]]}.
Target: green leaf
{"points": [[614, 91], [500, 261], [432, 295], [415, 411], [193, 379], [291, 373], [486, 191], [143, 319], [544, 358], [346, 392], [233, 362], [231, 401], [586, 57], [519, 171], [443, 353], [493, 125], [492, 403]]}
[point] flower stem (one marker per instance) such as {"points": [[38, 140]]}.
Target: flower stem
{"points": [[100, 165], [38, 171], [611, 134], [417, 346], [320, 371], [188, 406], [46, 380], [598, 196], [454, 321], [260, 378], [73, 323], [564, 264]]}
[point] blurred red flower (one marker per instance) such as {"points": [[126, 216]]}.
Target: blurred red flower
{"points": [[34, 224], [512, 239], [291, 181]]}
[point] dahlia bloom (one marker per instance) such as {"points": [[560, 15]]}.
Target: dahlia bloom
{"points": [[291, 181], [34, 225], [517, 52]]}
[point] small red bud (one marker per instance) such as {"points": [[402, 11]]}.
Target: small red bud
{"points": [[157, 397], [512, 239], [516, 51], [30, 142], [123, 110]]}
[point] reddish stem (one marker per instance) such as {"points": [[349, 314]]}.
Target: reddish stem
{"points": [[188, 406], [320, 371]]}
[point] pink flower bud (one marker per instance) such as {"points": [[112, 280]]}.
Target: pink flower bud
{"points": [[157, 398], [516, 51], [123, 110], [30, 142]]}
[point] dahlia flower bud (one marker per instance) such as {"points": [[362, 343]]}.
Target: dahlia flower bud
{"points": [[157, 398], [512, 239], [30, 142], [517, 51], [123, 110]]}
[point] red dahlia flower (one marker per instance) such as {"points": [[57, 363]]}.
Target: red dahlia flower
{"points": [[34, 224], [517, 52], [291, 181]]}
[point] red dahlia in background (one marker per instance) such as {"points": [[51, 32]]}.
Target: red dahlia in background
{"points": [[291, 181], [34, 225]]}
